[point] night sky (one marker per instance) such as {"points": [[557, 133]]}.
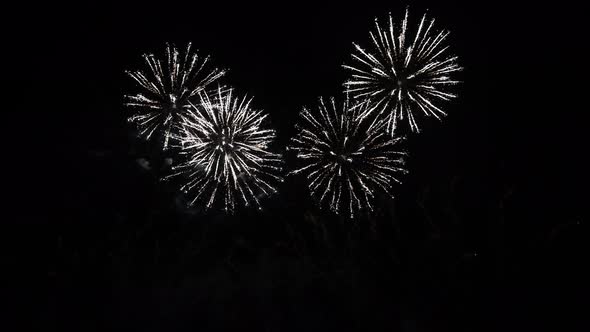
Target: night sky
{"points": [[486, 233]]}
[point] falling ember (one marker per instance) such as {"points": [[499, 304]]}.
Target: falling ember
{"points": [[226, 155], [405, 74], [347, 157], [168, 87]]}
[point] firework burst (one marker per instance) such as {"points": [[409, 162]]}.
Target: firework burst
{"points": [[227, 159], [406, 74], [346, 156], [168, 86]]}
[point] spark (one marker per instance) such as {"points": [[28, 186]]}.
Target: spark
{"points": [[407, 74], [347, 157], [226, 153], [168, 85]]}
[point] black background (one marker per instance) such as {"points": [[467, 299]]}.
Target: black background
{"points": [[487, 232]]}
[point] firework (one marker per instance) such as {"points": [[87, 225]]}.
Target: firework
{"points": [[168, 86], [346, 156], [405, 74], [226, 152]]}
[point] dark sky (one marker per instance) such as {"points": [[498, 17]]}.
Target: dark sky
{"points": [[503, 177], [522, 64]]}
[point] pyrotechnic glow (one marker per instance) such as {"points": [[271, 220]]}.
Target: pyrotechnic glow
{"points": [[168, 86], [226, 150], [405, 73], [347, 157]]}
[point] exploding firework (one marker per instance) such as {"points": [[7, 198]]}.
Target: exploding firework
{"points": [[404, 76], [347, 157], [168, 86], [226, 152]]}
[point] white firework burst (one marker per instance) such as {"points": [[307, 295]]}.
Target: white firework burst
{"points": [[405, 74], [347, 157], [226, 150], [168, 86]]}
